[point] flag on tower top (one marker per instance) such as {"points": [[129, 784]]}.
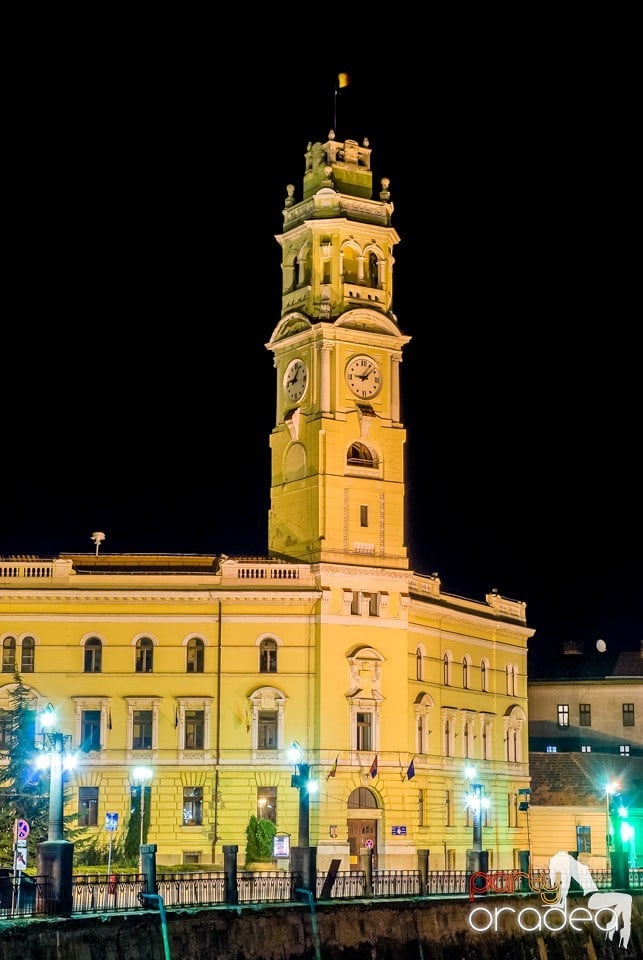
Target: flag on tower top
{"points": [[342, 80]]}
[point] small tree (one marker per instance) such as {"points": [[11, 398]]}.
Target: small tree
{"points": [[24, 789], [259, 836]]}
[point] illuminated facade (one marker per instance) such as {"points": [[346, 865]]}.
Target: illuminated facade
{"points": [[206, 669]]}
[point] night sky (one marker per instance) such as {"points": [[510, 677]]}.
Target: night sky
{"points": [[143, 281]]}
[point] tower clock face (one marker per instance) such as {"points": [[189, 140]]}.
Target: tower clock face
{"points": [[364, 377], [295, 379]]}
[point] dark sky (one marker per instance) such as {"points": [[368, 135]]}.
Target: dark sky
{"points": [[143, 280]]}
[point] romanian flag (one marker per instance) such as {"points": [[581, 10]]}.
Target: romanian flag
{"points": [[333, 769], [410, 770], [373, 769], [342, 81]]}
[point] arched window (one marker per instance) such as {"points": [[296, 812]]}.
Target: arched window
{"points": [[446, 665], [28, 655], [194, 662], [359, 455], [511, 680], [93, 655], [373, 270], [465, 673], [9, 655], [144, 655], [268, 656], [419, 664], [484, 676]]}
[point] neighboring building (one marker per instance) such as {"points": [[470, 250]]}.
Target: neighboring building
{"points": [[206, 669], [585, 737]]}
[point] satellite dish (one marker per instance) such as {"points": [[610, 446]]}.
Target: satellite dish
{"points": [[601, 646], [98, 538]]}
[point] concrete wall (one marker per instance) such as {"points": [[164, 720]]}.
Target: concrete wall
{"points": [[361, 929]]}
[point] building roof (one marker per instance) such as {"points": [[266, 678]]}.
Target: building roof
{"points": [[591, 664], [580, 779]]}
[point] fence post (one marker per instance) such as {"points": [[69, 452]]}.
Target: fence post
{"points": [[366, 864], [423, 867], [148, 866], [230, 871]]}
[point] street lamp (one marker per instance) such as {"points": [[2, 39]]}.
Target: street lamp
{"points": [[303, 855], [477, 858], [141, 777], [55, 855], [610, 790]]}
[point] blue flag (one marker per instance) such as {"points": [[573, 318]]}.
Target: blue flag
{"points": [[410, 773]]}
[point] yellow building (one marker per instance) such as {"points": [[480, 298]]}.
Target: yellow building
{"points": [[206, 669]]}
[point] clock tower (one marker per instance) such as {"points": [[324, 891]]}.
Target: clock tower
{"points": [[337, 485]]}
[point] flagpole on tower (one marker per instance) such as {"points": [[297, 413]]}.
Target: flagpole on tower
{"points": [[342, 81]]}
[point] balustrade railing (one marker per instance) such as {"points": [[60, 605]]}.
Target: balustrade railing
{"points": [[24, 895]]}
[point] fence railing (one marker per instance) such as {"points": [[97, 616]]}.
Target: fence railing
{"points": [[24, 895]]}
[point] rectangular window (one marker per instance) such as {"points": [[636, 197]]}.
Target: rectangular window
{"points": [[628, 714], [585, 748], [563, 714], [267, 803], [584, 839], [448, 808], [192, 806], [585, 714], [142, 730], [194, 729], [267, 730], [551, 749], [423, 813], [624, 749], [363, 516], [90, 730], [6, 737], [364, 731], [87, 806], [191, 856]]}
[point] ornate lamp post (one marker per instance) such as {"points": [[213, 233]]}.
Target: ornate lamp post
{"points": [[55, 854], [141, 776], [610, 790], [303, 855], [477, 858]]}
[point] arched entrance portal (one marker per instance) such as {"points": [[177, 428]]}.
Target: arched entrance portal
{"points": [[363, 814]]}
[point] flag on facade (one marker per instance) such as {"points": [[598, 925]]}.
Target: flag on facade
{"points": [[373, 770], [247, 722], [410, 771], [333, 769], [176, 718], [109, 719]]}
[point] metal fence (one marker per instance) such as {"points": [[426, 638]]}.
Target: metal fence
{"points": [[23, 895]]}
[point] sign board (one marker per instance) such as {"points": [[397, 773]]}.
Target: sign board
{"points": [[111, 821], [21, 829], [281, 845], [398, 831], [368, 843], [20, 859]]}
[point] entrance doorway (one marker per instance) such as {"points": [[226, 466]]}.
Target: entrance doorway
{"points": [[362, 833]]}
